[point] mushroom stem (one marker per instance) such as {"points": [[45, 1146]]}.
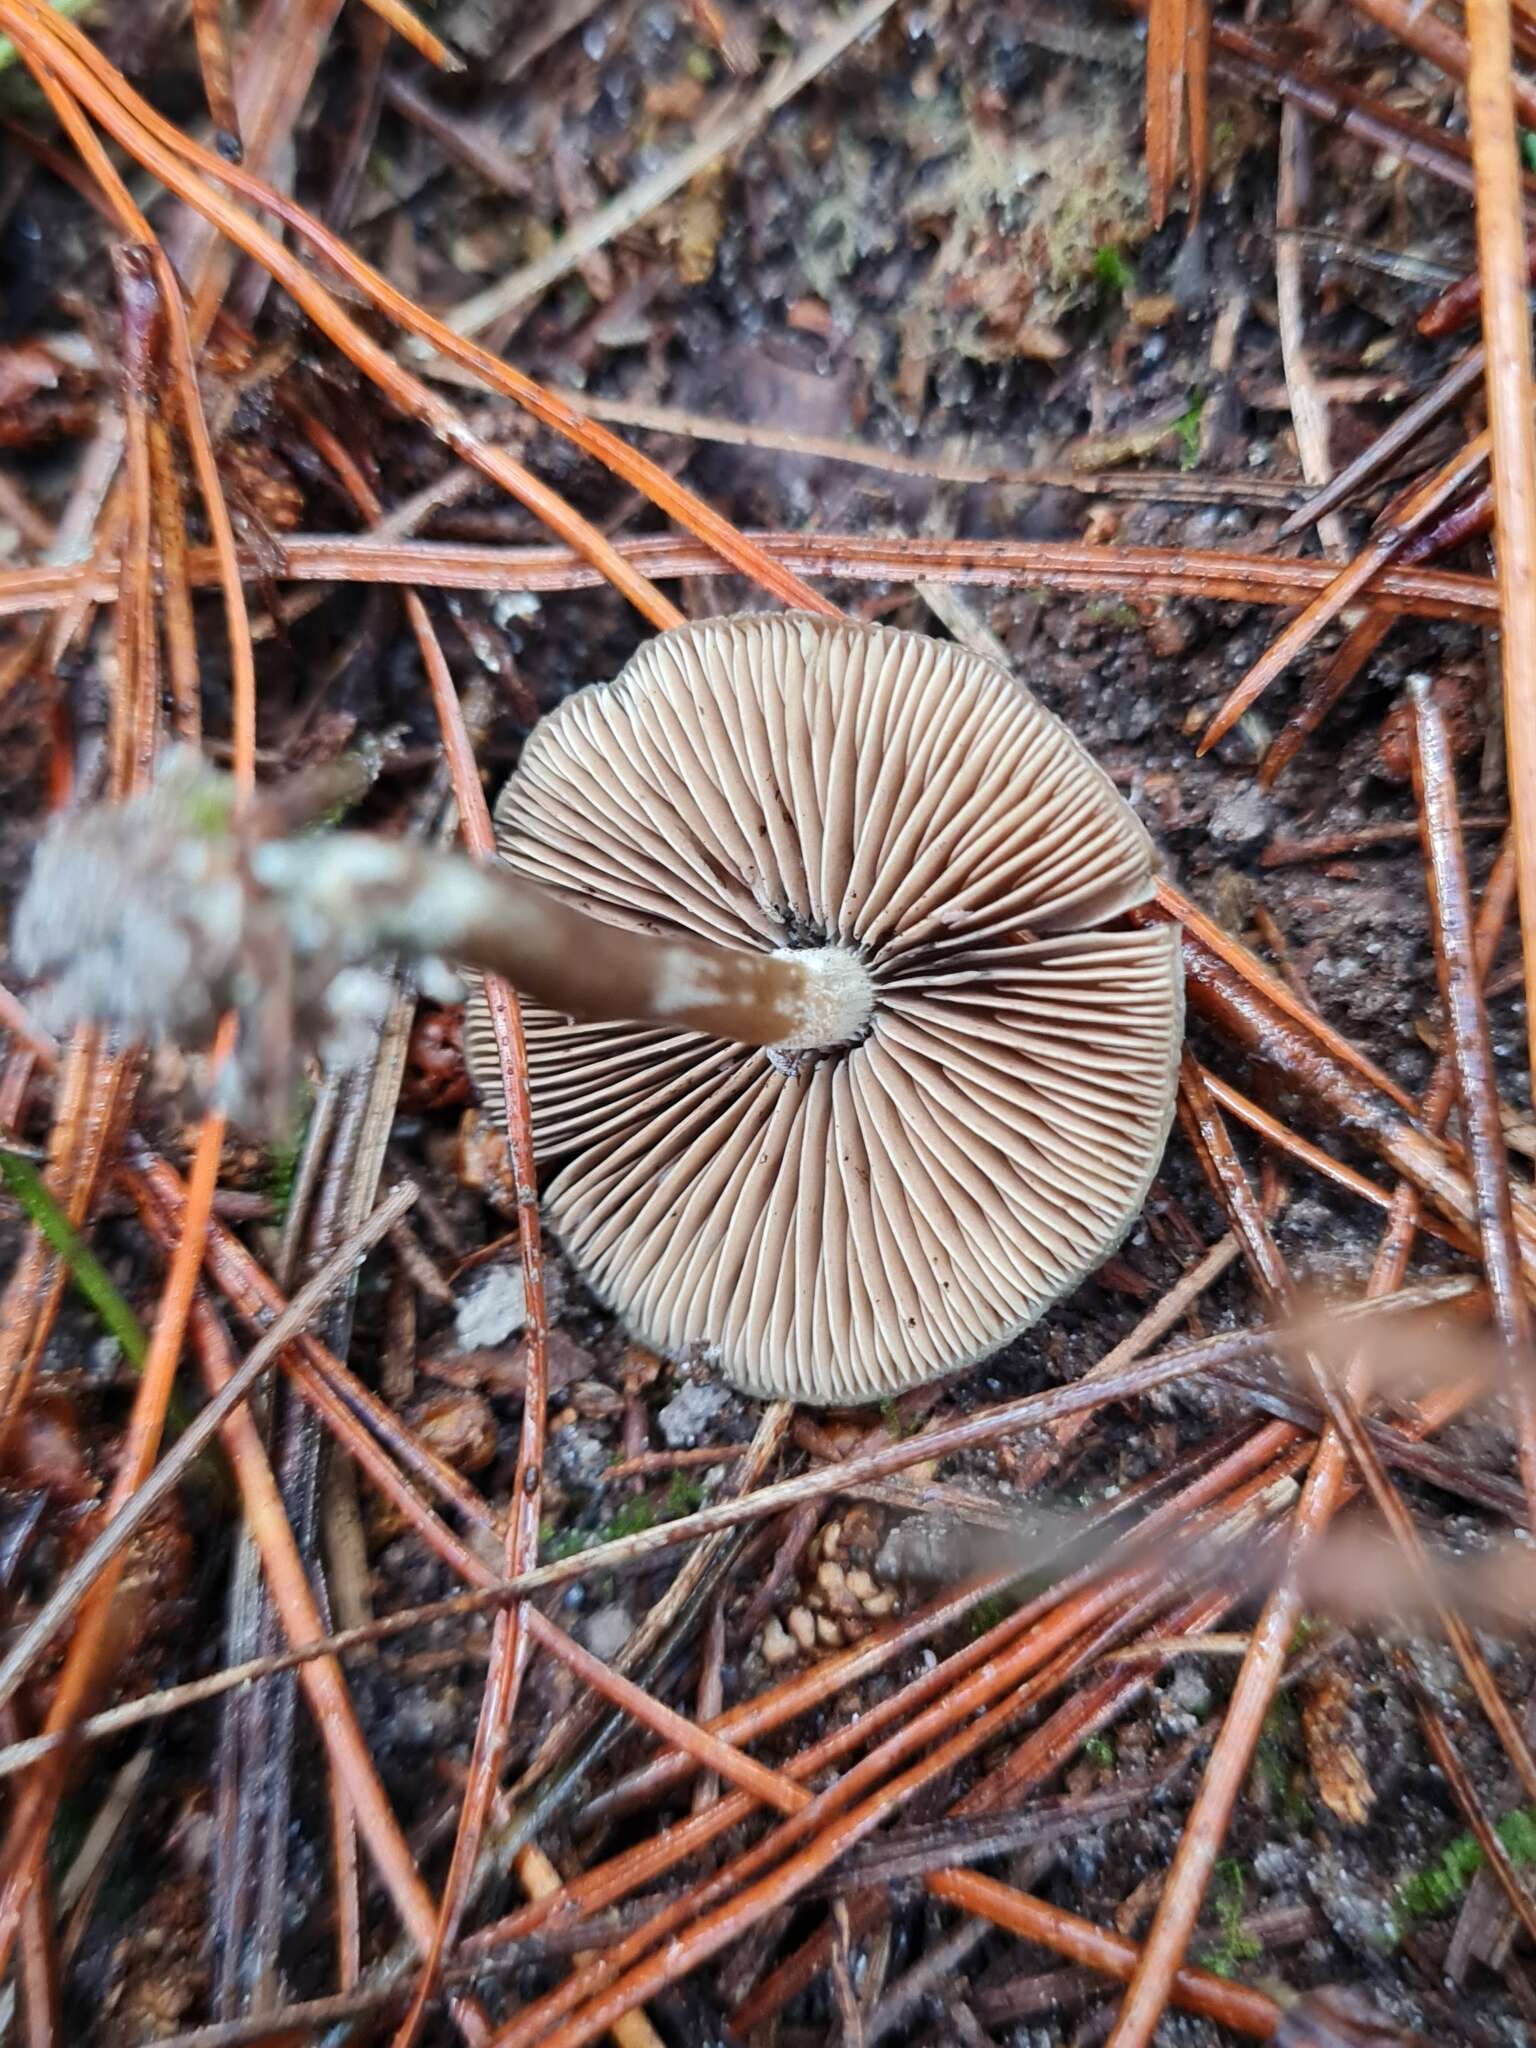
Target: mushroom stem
{"points": [[387, 895]]}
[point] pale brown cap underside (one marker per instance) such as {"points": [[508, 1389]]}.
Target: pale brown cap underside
{"points": [[840, 1225]]}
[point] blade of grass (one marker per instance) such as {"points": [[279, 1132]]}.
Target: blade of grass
{"points": [[92, 1648], [26, 1186]]}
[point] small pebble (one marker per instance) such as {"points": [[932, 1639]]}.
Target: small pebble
{"points": [[776, 1644], [606, 1631], [494, 1309], [1191, 1690], [689, 1413], [1240, 819]]}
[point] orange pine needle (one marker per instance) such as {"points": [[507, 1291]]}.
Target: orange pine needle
{"points": [[210, 33], [408, 25], [1507, 345], [1347, 585], [1167, 22]]}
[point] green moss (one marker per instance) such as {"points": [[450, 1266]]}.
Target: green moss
{"points": [[1306, 1630], [1228, 1897], [25, 1186], [633, 1519], [1112, 270], [1274, 1760], [683, 1495], [1439, 1885], [986, 1614], [555, 1545], [898, 1424], [1101, 1751], [1187, 429], [287, 1150], [1106, 611]]}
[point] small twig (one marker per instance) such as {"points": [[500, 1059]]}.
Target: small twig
{"points": [[1472, 1051], [1309, 409], [1067, 566], [1282, 853], [1172, 486]]}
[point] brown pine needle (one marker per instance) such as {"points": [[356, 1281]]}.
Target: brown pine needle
{"points": [[1410, 423], [1066, 1934], [1491, 94], [322, 1679], [1167, 23], [1471, 1045], [799, 1818], [1347, 585], [985, 564], [1328, 1483], [154, 1486], [409, 26], [210, 33], [1197, 45], [1167, 1940]]}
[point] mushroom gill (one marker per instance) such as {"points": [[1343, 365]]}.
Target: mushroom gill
{"points": [[843, 1220]]}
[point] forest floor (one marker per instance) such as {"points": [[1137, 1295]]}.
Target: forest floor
{"points": [[942, 250]]}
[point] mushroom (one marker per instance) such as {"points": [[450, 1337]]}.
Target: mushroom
{"points": [[968, 1121]]}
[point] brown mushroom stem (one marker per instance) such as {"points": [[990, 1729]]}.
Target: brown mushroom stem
{"points": [[389, 895]]}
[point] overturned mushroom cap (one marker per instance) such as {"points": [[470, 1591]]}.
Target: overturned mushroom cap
{"points": [[837, 1224]]}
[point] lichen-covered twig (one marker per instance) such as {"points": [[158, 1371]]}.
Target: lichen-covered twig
{"points": [[157, 915]]}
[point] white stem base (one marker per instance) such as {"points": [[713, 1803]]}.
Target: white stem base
{"points": [[837, 996]]}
